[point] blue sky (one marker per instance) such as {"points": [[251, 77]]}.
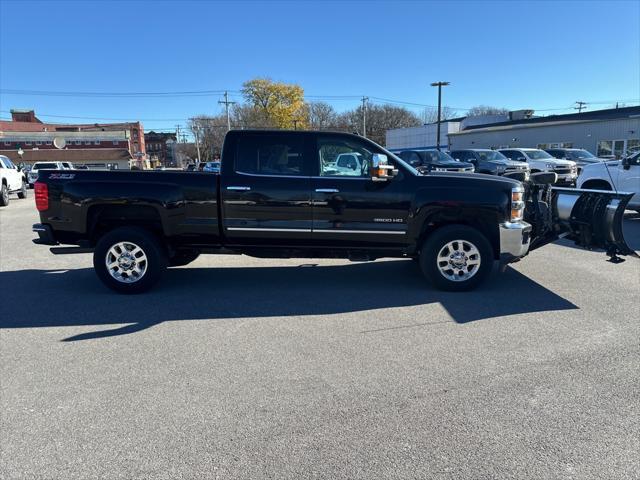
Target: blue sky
{"points": [[541, 55]]}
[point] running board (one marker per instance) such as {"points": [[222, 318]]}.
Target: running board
{"points": [[69, 250]]}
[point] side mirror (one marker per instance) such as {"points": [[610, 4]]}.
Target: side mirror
{"points": [[380, 170], [626, 164]]}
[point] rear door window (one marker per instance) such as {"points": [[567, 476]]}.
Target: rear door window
{"points": [[271, 155]]}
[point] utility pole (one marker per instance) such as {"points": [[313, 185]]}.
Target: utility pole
{"points": [[177, 133], [364, 116], [226, 104], [439, 85], [195, 132], [580, 106]]}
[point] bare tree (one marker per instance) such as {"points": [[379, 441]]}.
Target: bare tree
{"points": [[321, 116], [486, 110], [210, 133], [380, 118], [430, 115]]}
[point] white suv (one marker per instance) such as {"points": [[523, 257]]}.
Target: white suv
{"points": [[618, 175], [541, 161], [11, 181]]}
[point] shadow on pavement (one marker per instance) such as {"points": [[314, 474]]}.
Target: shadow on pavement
{"points": [[76, 297]]}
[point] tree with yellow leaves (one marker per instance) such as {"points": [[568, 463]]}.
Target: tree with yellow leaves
{"points": [[281, 104]]}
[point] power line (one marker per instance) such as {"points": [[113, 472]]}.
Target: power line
{"points": [[579, 106]]}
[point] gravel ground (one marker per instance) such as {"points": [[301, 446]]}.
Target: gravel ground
{"points": [[242, 368]]}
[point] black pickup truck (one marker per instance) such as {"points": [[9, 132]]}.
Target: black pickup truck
{"points": [[282, 194]]}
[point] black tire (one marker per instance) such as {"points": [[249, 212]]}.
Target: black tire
{"points": [[183, 257], [4, 195], [155, 265], [23, 191], [437, 241]]}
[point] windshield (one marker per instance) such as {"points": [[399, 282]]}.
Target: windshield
{"points": [[580, 154], [45, 166], [491, 155], [434, 156], [537, 154]]}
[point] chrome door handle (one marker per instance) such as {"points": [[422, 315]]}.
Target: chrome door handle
{"points": [[327, 190], [239, 189]]}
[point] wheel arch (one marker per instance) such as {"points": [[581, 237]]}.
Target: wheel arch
{"points": [[486, 224], [103, 218]]}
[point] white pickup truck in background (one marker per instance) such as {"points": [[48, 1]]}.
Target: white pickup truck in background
{"points": [[12, 180], [619, 175]]}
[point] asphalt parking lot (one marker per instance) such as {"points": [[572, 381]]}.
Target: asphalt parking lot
{"points": [[242, 368]]}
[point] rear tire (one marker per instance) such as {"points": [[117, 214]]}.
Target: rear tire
{"points": [[456, 258], [23, 191], [4, 195], [183, 257], [137, 258]]}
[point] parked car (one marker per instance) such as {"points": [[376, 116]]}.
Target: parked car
{"points": [[490, 162], [434, 161], [580, 156], [33, 174], [212, 167], [277, 198], [12, 180], [541, 161], [619, 175]]}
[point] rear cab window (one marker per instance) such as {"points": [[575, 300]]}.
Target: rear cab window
{"points": [[272, 155]]}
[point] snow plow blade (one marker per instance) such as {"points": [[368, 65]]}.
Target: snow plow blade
{"points": [[592, 218]]}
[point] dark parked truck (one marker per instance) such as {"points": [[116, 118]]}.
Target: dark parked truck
{"points": [[281, 195]]}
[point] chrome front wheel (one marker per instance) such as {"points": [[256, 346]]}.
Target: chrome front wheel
{"points": [[459, 260], [126, 262]]}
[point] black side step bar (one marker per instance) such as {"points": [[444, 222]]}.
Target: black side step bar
{"points": [[69, 250]]}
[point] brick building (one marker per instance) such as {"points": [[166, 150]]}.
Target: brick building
{"points": [[25, 132], [161, 148]]}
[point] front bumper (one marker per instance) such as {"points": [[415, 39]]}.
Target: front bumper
{"points": [[515, 238]]}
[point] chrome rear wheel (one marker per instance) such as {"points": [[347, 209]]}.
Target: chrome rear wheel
{"points": [[126, 262]]}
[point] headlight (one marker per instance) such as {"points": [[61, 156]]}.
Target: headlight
{"points": [[517, 204]]}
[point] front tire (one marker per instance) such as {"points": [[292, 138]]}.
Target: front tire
{"points": [[129, 260], [456, 258], [23, 191], [4, 195]]}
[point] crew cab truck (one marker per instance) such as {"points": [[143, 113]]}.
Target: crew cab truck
{"points": [[279, 195]]}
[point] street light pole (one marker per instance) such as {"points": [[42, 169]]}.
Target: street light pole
{"points": [[439, 85]]}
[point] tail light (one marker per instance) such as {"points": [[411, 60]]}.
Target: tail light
{"points": [[42, 196]]}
